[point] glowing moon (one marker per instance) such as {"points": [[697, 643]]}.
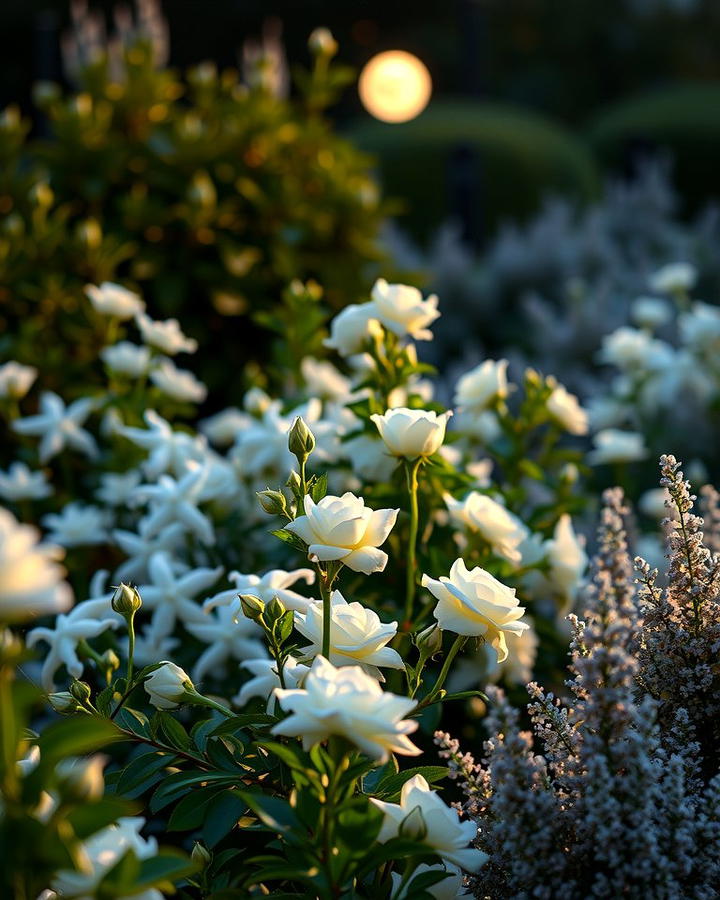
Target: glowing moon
{"points": [[395, 86]]}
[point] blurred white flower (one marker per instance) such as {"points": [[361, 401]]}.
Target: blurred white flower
{"points": [[274, 583], [101, 852], [20, 483], [111, 299], [369, 458], [323, 380], [165, 336], [673, 278], [116, 488], [653, 504], [86, 620], [482, 667], [126, 358], [343, 528], [448, 889], [567, 557], [176, 501], [614, 446], [566, 410], [479, 387], [499, 527], [77, 525], [16, 379], [481, 425], [349, 703], [474, 603], [31, 581], [629, 348], [423, 815], [650, 312], [167, 685], [265, 678], [353, 326], [411, 433], [230, 636], [402, 310], [700, 327], [139, 548], [171, 595], [651, 548], [223, 428], [606, 412], [168, 450], [179, 384], [59, 426], [357, 635], [151, 648]]}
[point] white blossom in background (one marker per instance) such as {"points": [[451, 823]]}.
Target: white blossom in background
{"points": [[140, 546], [449, 888], [275, 583], [369, 458], [166, 686], [615, 446], [481, 386], [102, 851], [113, 300], [323, 380], [31, 580], [673, 278], [423, 815], [352, 327], [700, 327], [481, 425], [223, 428], [357, 635], [86, 620], [498, 526], [349, 703], [60, 426], [21, 483], [477, 669], [165, 336], [631, 349], [151, 648], [178, 384], [116, 488], [656, 504], [402, 310], [126, 358], [411, 433], [167, 450], [474, 603], [229, 636], [343, 528], [567, 557], [176, 501], [170, 594], [265, 679], [565, 408], [650, 312], [16, 379], [77, 525]]}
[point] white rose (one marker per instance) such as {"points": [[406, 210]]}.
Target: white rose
{"points": [[16, 379], [351, 328], [700, 328], [629, 348], [357, 636], [343, 528], [166, 336], [477, 388], [412, 432], [500, 528], [126, 358], [167, 685], [441, 825], [402, 310], [613, 445], [114, 300], [565, 408], [567, 558], [474, 603], [650, 312], [349, 703], [674, 277], [30, 579], [180, 384]]}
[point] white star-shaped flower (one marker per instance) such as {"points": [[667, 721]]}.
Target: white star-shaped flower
{"points": [[265, 678], [274, 583], [77, 525], [171, 595], [176, 500], [86, 620], [60, 426], [229, 637], [140, 547], [168, 450], [20, 483]]}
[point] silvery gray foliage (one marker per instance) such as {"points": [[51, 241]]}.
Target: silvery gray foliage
{"points": [[616, 792]]}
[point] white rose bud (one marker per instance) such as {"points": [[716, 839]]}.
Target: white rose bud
{"points": [[322, 42], [411, 433], [114, 300], [566, 410], [168, 686]]}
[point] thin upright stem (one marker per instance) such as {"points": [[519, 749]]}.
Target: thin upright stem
{"points": [[411, 472], [457, 646], [326, 593], [131, 647]]}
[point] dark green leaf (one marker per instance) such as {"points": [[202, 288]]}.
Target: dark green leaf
{"points": [[222, 815], [292, 539]]}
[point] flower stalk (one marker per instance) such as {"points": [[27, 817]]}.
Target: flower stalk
{"points": [[411, 473]]}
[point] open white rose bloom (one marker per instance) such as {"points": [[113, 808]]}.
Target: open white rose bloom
{"points": [[344, 529], [350, 703], [475, 603], [480, 513], [411, 433]]}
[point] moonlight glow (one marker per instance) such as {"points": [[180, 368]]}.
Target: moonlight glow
{"points": [[395, 86]]}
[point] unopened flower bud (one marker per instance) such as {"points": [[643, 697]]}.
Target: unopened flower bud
{"points": [[80, 690], [252, 607], [89, 233], [301, 441], [294, 482], [63, 702], [570, 473], [201, 856], [41, 194], [322, 42], [429, 641], [111, 659], [168, 686], [126, 600], [274, 610], [273, 502]]}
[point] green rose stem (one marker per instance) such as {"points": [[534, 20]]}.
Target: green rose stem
{"points": [[326, 577], [457, 646], [131, 647], [411, 473]]}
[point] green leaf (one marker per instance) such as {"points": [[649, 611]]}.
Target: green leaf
{"points": [[139, 774], [177, 784], [169, 726], [190, 811], [75, 736], [224, 752], [274, 812], [292, 539], [389, 788], [91, 817], [319, 488], [373, 779], [134, 721], [222, 815], [164, 869]]}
